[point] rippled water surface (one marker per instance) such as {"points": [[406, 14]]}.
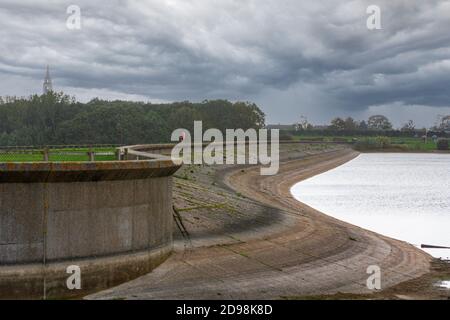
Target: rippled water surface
{"points": [[404, 196]]}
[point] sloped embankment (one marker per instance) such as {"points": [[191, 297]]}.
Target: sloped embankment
{"points": [[250, 239]]}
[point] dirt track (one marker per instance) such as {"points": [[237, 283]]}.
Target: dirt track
{"points": [[274, 247]]}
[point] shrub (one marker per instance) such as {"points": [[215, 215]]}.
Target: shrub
{"points": [[314, 139], [373, 144], [286, 136], [365, 144], [442, 144], [383, 142]]}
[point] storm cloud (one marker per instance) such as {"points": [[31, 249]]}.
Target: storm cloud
{"points": [[293, 58]]}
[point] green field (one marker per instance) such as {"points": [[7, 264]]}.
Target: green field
{"points": [[58, 155], [406, 143]]}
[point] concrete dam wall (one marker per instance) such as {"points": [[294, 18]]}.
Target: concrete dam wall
{"points": [[112, 220]]}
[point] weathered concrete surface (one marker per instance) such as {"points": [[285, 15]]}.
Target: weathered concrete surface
{"points": [[13, 172], [262, 243], [113, 219], [39, 281]]}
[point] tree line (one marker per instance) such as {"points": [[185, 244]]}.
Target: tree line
{"points": [[58, 119], [375, 123]]}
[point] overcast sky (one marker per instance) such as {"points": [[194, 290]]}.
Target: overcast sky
{"points": [[291, 57]]}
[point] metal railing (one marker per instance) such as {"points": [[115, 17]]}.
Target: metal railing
{"points": [[57, 153]]}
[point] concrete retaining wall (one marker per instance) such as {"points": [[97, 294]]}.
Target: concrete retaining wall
{"points": [[113, 219]]}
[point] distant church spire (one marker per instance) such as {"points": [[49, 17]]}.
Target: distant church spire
{"points": [[47, 86]]}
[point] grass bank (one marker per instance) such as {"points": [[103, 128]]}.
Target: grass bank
{"points": [[60, 154], [377, 142]]}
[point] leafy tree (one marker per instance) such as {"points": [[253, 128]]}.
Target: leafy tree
{"points": [[55, 118], [409, 127], [337, 124], [379, 122], [444, 123], [303, 124], [350, 124], [363, 125]]}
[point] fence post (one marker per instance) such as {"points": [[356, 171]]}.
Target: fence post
{"points": [[117, 152], [91, 155], [46, 154]]}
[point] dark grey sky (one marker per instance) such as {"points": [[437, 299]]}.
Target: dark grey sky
{"points": [[291, 57]]}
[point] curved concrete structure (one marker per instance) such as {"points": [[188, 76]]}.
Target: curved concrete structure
{"points": [[112, 219]]}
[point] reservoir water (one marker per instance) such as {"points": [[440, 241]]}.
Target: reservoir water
{"points": [[403, 196]]}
